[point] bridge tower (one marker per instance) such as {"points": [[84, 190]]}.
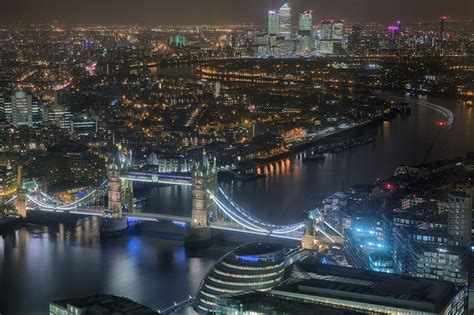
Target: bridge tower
{"points": [[114, 189], [204, 179], [120, 197], [308, 240], [21, 203], [120, 192]]}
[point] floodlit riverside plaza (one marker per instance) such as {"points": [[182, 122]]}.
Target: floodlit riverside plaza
{"points": [[236, 157]]}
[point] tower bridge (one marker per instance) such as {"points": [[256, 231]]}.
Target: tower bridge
{"points": [[212, 208]]}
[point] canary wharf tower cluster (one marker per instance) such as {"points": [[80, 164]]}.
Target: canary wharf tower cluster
{"points": [[282, 39]]}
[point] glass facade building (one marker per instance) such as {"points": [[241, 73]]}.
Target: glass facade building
{"points": [[22, 109], [254, 266], [305, 23], [448, 263], [284, 20], [273, 22]]}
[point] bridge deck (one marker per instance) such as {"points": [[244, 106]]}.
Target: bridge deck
{"points": [[157, 178], [158, 217], [227, 226]]}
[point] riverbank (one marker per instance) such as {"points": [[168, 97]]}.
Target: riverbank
{"points": [[295, 149], [9, 223]]}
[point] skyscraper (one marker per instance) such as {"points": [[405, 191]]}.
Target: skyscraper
{"points": [[442, 24], [338, 30], [355, 38], [284, 20], [326, 29], [273, 22], [305, 25], [394, 33], [332, 30], [25, 109]]}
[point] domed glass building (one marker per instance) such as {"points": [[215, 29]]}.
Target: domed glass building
{"points": [[253, 266]]}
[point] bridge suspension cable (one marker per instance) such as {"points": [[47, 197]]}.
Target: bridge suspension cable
{"points": [[10, 200], [69, 206], [245, 219]]}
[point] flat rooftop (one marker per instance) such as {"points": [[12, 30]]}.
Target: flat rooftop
{"points": [[364, 286], [106, 304], [266, 303]]}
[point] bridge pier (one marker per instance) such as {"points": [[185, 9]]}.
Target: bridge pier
{"points": [[114, 223], [204, 179], [21, 203], [113, 226], [308, 241]]}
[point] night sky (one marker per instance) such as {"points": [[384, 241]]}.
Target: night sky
{"points": [[161, 12]]}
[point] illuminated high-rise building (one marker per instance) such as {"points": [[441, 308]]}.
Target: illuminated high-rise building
{"points": [[59, 115], [338, 30], [273, 22], [24, 109], [394, 33], [442, 26], [305, 23], [332, 30], [284, 20], [178, 41], [326, 30]]}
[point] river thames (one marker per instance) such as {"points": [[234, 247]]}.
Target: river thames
{"points": [[39, 264]]}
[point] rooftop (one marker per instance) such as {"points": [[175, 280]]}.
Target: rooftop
{"points": [[105, 304], [364, 286], [459, 194], [257, 249], [445, 249], [266, 303]]}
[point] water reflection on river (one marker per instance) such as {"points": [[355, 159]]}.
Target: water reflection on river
{"points": [[43, 263], [39, 264], [294, 186]]}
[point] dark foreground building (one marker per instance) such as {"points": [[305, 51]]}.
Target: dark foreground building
{"points": [[328, 289], [99, 304]]}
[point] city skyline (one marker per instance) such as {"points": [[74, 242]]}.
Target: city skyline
{"points": [[264, 156], [158, 12]]}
